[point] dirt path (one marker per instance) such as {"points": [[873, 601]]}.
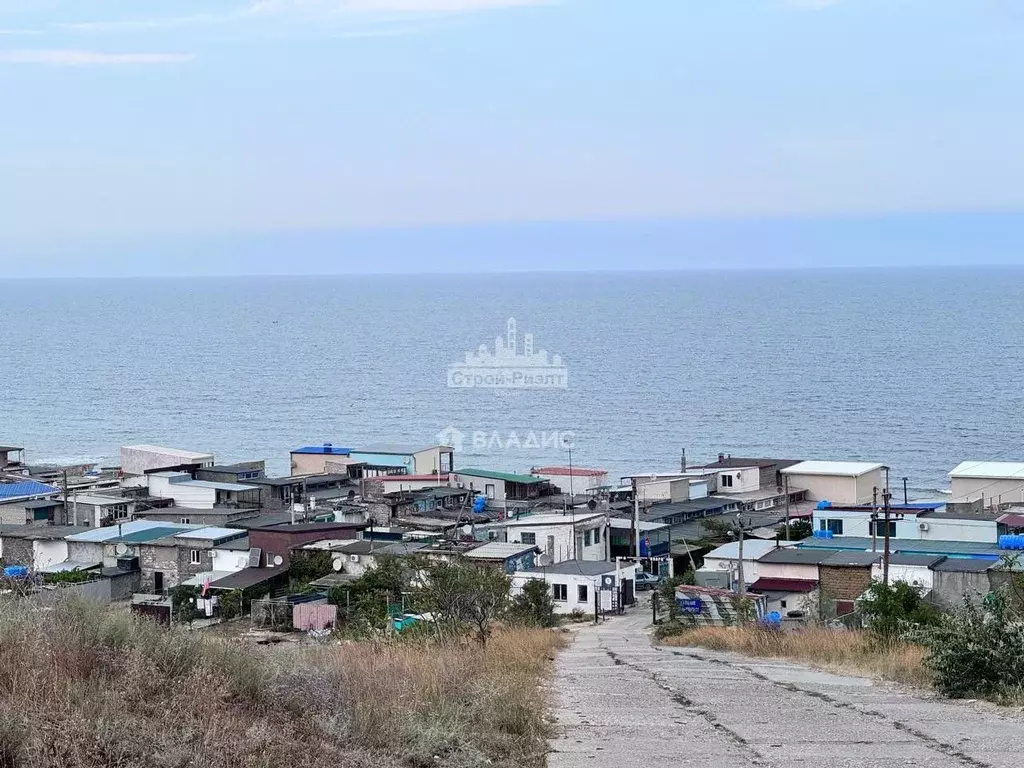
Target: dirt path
{"points": [[622, 702]]}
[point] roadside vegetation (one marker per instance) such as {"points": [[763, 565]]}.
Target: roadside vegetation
{"points": [[976, 651], [82, 687]]}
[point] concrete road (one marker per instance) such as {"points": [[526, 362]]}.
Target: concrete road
{"points": [[622, 702]]}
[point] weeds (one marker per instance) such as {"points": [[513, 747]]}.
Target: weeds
{"points": [[81, 687], [854, 652]]}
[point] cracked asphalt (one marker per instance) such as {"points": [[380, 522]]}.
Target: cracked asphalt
{"points": [[619, 701]]}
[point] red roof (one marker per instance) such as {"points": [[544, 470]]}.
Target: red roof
{"points": [[784, 585], [575, 471], [1011, 520]]}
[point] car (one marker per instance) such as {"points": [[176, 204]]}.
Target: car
{"points": [[647, 581]]}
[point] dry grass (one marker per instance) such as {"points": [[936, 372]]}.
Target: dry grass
{"points": [[851, 652], [82, 688]]}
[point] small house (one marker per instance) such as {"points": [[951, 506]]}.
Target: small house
{"points": [[583, 585]]}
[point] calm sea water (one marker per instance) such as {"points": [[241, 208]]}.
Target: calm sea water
{"points": [[917, 369]]}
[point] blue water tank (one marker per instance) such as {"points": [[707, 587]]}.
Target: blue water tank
{"points": [[1011, 541], [824, 505], [479, 503], [15, 572], [774, 617]]}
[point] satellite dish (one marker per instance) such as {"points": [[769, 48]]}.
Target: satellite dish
{"points": [[278, 560], [592, 505], [467, 529], [337, 564], [544, 560], [724, 566], [121, 549]]}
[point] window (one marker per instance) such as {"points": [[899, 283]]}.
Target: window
{"points": [[581, 593], [193, 556], [782, 603], [118, 511], [528, 538], [586, 538], [726, 481], [489, 490], [597, 535], [184, 521], [560, 592], [835, 527], [880, 526]]}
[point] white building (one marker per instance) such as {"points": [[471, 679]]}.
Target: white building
{"points": [[721, 565], [575, 584], [672, 486], [994, 482], [553, 534], [915, 570], [200, 494], [576, 479], [841, 482], [137, 460], [930, 522]]}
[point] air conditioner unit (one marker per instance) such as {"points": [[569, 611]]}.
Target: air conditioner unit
{"points": [[922, 526], [354, 558]]}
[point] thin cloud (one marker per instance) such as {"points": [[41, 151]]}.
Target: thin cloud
{"points": [[75, 58], [809, 5], [17, 32]]}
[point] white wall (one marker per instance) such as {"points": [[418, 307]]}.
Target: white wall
{"points": [[939, 529], [744, 480], [46, 553], [804, 571], [572, 583], [184, 494], [982, 531], [479, 484], [794, 601], [973, 488], [834, 488], [561, 548], [906, 573], [230, 560], [751, 568]]}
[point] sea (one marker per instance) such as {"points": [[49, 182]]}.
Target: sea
{"points": [[917, 369]]}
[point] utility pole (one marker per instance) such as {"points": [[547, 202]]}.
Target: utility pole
{"points": [[65, 473], [572, 507], [739, 532], [906, 500], [886, 496], [785, 484], [636, 520]]}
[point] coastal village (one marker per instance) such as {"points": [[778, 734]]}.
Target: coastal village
{"points": [[801, 539]]}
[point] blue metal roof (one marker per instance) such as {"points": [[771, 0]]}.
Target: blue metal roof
{"points": [[26, 488], [326, 449]]}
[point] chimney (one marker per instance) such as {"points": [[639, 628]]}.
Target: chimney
{"points": [[721, 457]]}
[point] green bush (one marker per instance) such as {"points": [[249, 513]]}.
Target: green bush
{"points": [[534, 606], [896, 611], [978, 650], [67, 577]]}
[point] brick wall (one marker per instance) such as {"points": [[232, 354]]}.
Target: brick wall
{"points": [[281, 540], [153, 559], [846, 583]]}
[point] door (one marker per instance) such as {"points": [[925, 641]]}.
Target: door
{"points": [[158, 582]]}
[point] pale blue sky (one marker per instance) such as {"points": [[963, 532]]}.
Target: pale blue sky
{"points": [[131, 127]]}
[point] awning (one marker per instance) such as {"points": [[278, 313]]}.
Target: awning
{"points": [[248, 577], [1011, 520], [200, 578]]}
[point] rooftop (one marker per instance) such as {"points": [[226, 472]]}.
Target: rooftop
{"points": [[443, 477], [623, 523], [311, 527], [508, 477], [40, 531], [670, 508], [844, 558], [396, 449], [783, 585], [325, 449], [907, 546], [549, 519], [24, 488], [498, 550], [733, 462], [134, 526], [753, 549], [10, 448], [794, 556], [176, 452], [579, 568], [964, 565], [210, 533], [248, 577], [574, 471], [298, 479], [989, 470], [926, 561], [841, 468]]}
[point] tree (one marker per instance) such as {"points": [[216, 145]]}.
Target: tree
{"points": [[183, 603], [895, 609], [718, 531], [798, 530], [534, 605], [461, 593]]}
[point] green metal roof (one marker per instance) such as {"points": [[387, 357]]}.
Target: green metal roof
{"points": [[508, 477], [148, 534]]}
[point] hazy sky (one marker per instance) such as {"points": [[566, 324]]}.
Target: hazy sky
{"points": [[132, 128]]}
